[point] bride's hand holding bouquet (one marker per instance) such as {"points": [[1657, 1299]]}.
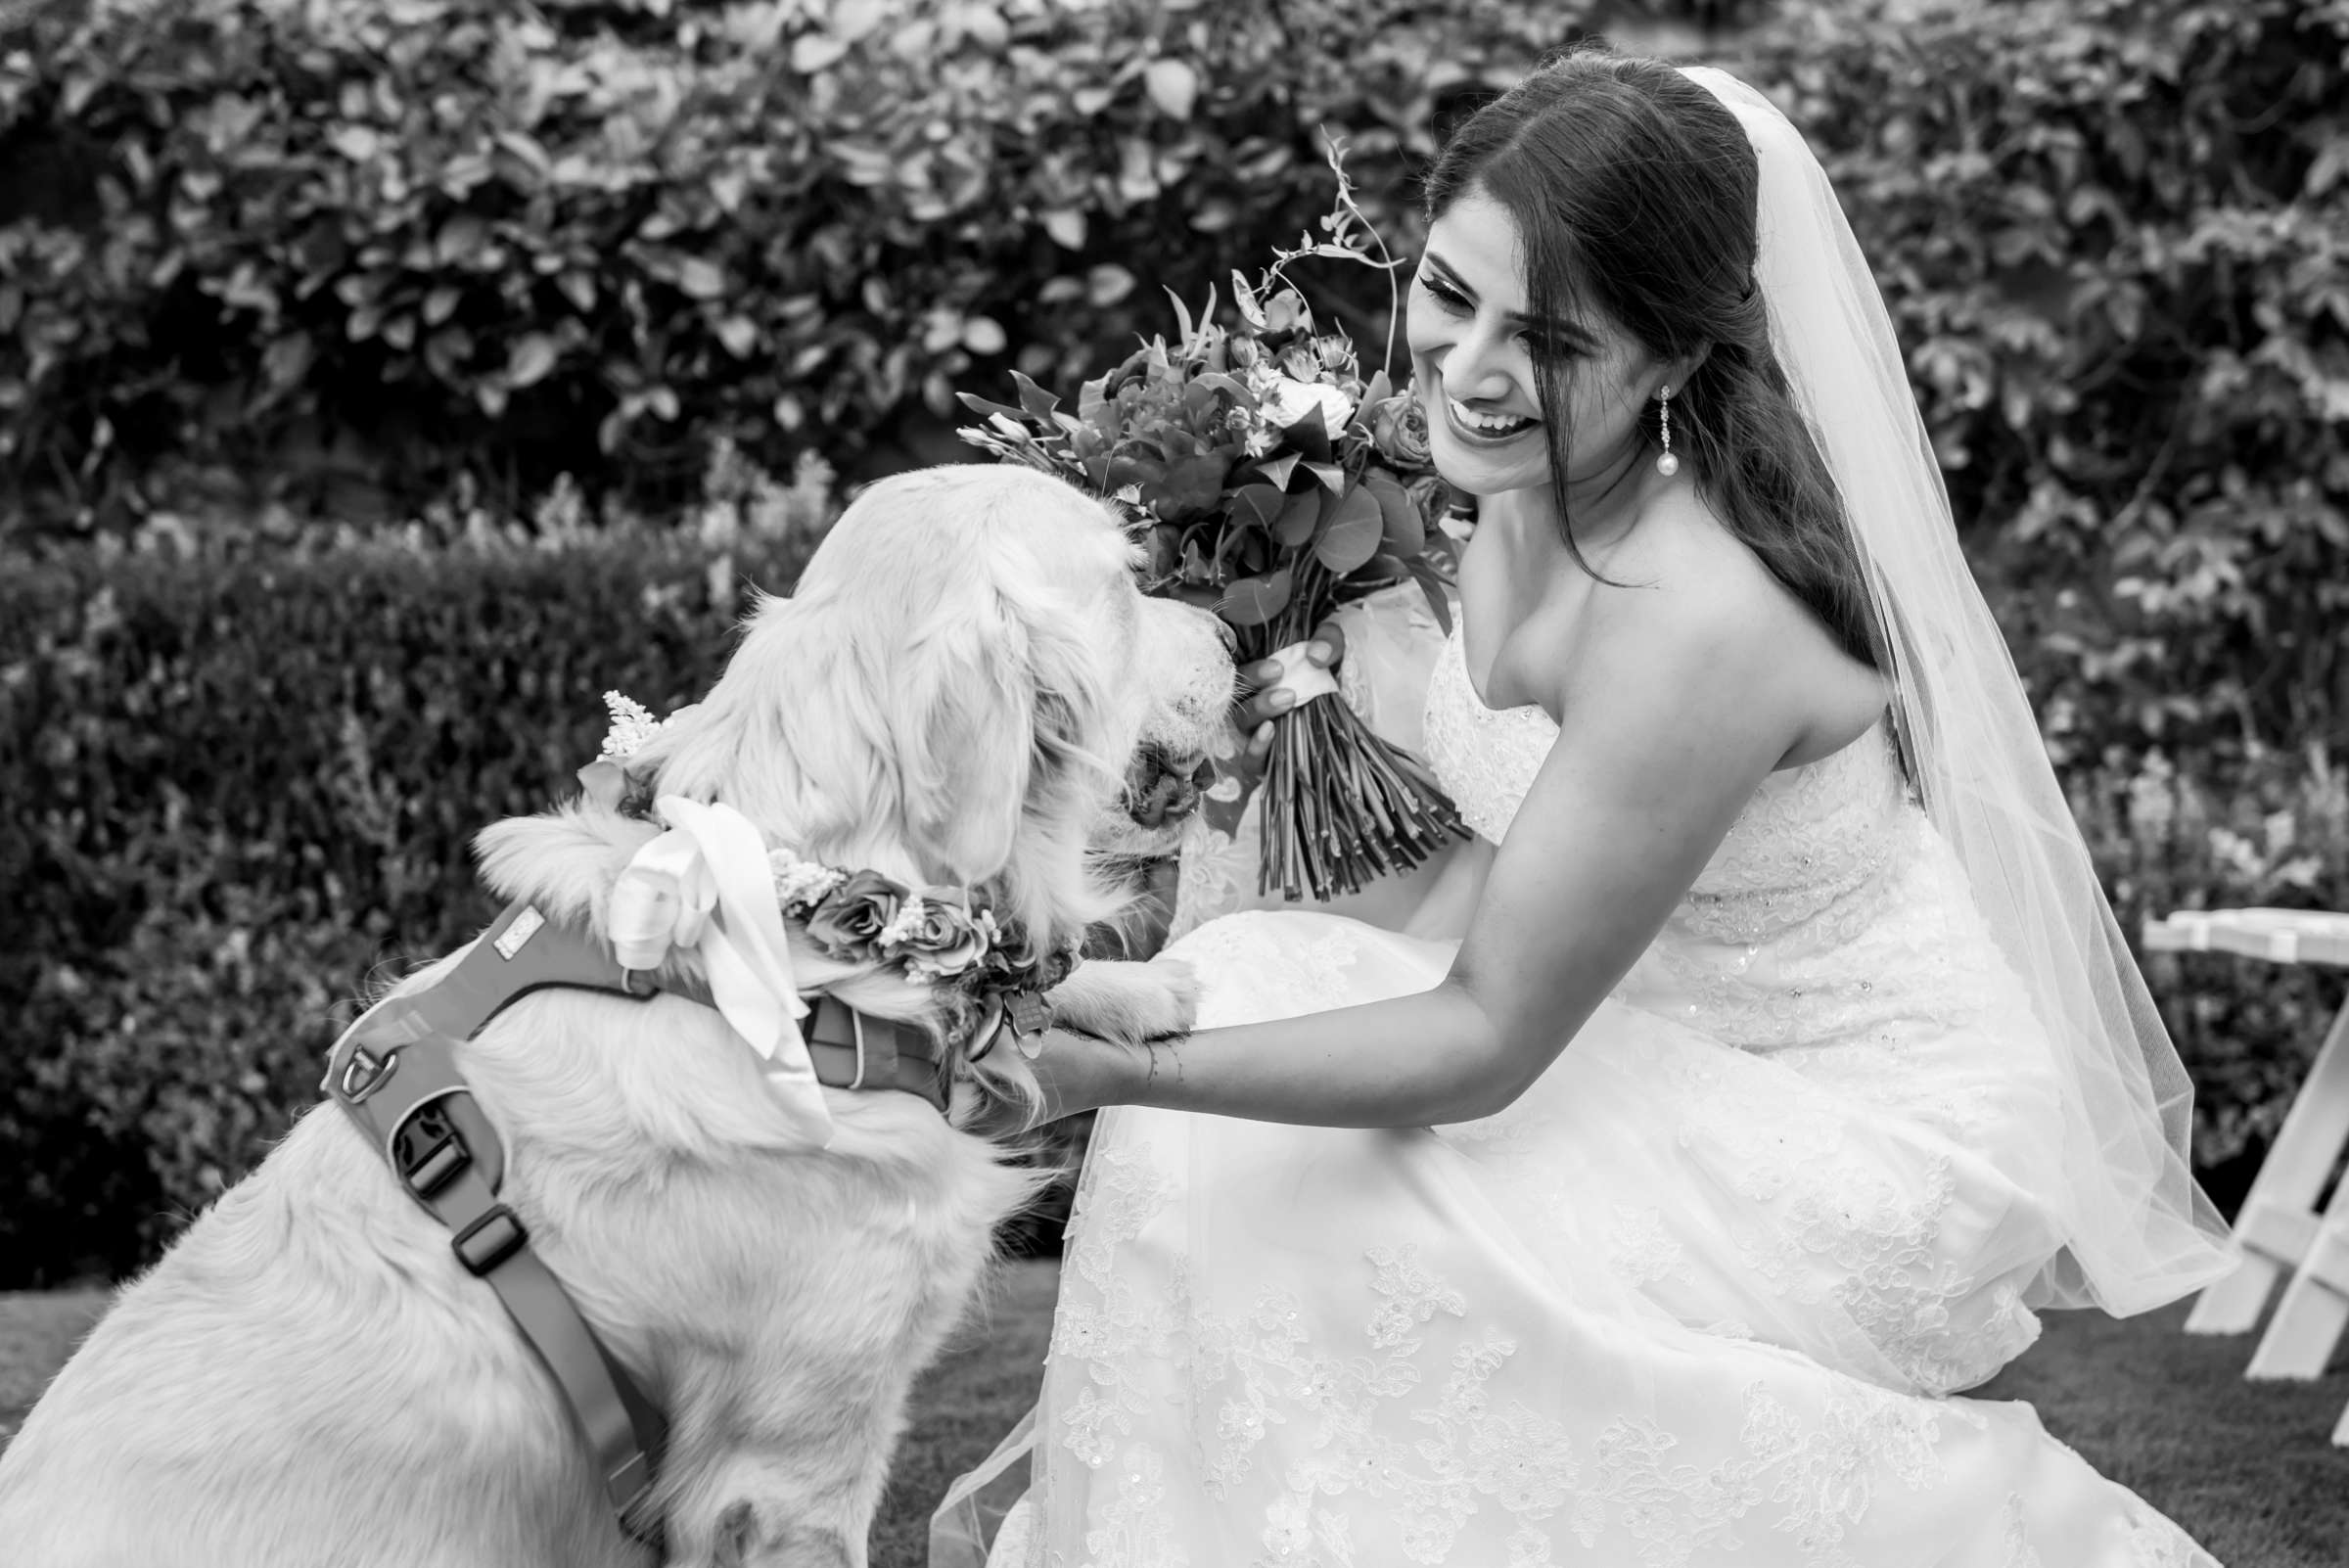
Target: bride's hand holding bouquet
{"points": [[1274, 482]]}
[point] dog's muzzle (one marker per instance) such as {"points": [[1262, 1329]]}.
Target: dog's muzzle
{"points": [[1161, 790]]}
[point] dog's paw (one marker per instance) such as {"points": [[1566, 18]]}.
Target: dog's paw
{"points": [[1181, 999], [1129, 1002]]}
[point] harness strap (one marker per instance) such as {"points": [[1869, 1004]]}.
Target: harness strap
{"points": [[858, 1051], [394, 1073]]}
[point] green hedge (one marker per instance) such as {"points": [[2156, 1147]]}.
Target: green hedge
{"points": [[2216, 830], [352, 255], [237, 789], [392, 244], [2114, 235]]}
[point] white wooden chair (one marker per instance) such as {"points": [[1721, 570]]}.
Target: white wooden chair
{"points": [[2280, 1228]]}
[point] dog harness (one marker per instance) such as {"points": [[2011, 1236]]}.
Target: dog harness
{"points": [[395, 1072]]}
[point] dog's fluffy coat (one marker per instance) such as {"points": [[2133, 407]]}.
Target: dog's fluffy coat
{"points": [[309, 1377]]}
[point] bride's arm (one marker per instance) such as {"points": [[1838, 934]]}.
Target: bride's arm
{"points": [[1671, 718]]}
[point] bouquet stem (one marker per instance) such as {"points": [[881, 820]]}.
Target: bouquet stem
{"points": [[1342, 805]]}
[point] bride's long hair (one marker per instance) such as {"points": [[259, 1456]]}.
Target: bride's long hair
{"points": [[1634, 191]]}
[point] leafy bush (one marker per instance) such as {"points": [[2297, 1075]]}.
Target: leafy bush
{"points": [[237, 787], [2268, 828], [2114, 235], [367, 253], [397, 242]]}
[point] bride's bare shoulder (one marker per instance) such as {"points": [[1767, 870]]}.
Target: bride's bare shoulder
{"points": [[1681, 565], [1692, 595]]}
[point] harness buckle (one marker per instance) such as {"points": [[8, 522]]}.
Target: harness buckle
{"points": [[428, 1151], [490, 1240]]}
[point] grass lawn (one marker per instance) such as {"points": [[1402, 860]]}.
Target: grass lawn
{"points": [[2246, 1467]]}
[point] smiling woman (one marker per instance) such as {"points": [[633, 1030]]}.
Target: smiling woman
{"points": [[1785, 1063], [1588, 270]]}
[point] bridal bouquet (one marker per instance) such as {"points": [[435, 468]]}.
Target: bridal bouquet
{"points": [[1275, 483]]}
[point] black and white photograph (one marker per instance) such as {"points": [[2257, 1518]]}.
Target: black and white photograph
{"points": [[1175, 783]]}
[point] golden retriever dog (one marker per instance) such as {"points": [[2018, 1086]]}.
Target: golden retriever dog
{"points": [[966, 689]]}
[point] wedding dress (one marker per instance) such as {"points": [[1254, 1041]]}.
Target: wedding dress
{"points": [[1699, 1296], [1885, 1083]]}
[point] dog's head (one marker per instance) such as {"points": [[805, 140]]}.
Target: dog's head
{"points": [[966, 688]]}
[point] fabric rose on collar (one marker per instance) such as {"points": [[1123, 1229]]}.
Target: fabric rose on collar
{"points": [[1014, 958], [852, 916], [938, 935]]}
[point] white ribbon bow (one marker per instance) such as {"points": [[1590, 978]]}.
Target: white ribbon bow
{"points": [[704, 884]]}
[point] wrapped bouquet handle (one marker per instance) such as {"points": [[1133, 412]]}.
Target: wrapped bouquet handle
{"points": [[1301, 674]]}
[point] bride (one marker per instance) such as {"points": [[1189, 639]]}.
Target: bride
{"points": [[1743, 1092]]}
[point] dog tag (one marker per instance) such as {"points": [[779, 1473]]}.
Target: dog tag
{"points": [[1029, 1013]]}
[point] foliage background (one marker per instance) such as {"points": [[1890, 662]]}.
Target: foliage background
{"points": [[378, 384]]}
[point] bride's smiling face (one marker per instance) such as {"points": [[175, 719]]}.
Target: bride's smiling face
{"points": [[1477, 356]]}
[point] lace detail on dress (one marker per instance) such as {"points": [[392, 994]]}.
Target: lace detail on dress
{"points": [[1845, 1233], [1485, 758], [1314, 978], [1808, 1477], [1809, 836], [1830, 912], [1828, 1475], [1640, 1250], [1216, 871], [1113, 1322], [2014, 1535]]}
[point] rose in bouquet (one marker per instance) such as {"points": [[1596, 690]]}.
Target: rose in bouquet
{"points": [[1275, 482]]}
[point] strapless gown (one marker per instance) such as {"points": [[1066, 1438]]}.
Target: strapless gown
{"points": [[1702, 1296]]}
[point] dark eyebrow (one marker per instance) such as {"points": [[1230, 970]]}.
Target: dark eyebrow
{"points": [[1563, 330]]}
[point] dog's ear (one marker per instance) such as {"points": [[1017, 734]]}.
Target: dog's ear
{"points": [[1008, 702], [965, 723]]}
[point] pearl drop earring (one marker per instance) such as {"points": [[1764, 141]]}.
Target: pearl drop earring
{"points": [[1667, 464]]}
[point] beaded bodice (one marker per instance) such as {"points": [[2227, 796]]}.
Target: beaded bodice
{"points": [[1810, 833], [1830, 909]]}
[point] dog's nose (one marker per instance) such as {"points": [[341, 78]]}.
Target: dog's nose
{"points": [[1158, 803], [1168, 792]]}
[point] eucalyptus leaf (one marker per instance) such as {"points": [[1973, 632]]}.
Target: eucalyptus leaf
{"points": [[1405, 531], [1350, 535], [1262, 503], [1276, 471], [1299, 517], [981, 405], [1255, 601], [1437, 600], [1034, 399]]}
